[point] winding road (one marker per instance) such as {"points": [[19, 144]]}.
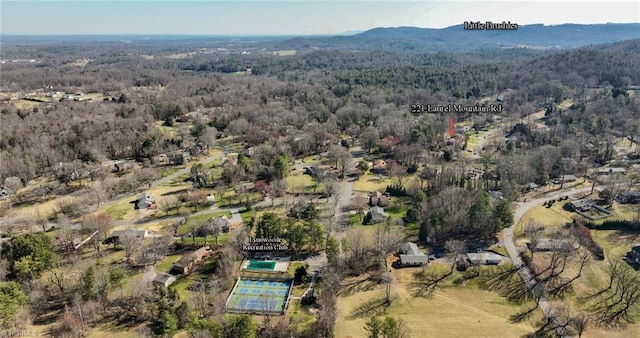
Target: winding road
{"points": [[510, 245]]}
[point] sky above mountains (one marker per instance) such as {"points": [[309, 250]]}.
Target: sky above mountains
{"points": [[299, 17]]}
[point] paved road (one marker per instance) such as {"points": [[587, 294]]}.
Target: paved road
{"points": [[510, 245]]}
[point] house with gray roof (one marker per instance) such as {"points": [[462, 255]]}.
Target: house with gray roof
{"points": [[579, 205], [565, 179], [607, 171], [144, 201], [377, 215], [483, 258], [412, 256], [164, 279], [550, 245]]}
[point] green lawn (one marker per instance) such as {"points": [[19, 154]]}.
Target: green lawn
{"points": [[166, 171], [165, 264], [181, 286], [412, 229], [118, 210], [293, 266], [301, 182], [210, 239], [246, 216], [199, 219], [398, 208], [300, 315]]}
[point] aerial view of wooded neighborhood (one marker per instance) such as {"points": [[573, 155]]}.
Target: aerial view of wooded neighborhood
{"points": [[322, 186]]}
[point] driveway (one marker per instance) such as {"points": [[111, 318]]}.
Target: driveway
{"points": [[512, 250]]}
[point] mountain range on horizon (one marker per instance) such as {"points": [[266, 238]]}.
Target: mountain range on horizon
{"points": [[456, 38], [392, 39]]}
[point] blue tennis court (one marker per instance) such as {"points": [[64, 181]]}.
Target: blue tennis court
{"points": [[259, 296]]}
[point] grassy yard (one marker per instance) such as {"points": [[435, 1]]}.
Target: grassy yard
{"points": [[165, 264], [461, 311], [556, 216], [300, 182], [293, 266], [199, 219], [547, 217], [398, 208], [594, 276], [300, 314], [246, 216], [369, 183], [123, 208]]}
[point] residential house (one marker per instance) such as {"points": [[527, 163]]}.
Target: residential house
{"points": [[629, 197], [245, 187], [550, 245], [315, 171], [178, 157], [118, 234], [377, 215], [164, 279], [565, 179], [189, 261], [211, 198], [530, 187], [379, 167], [412, 256], [633, 256], [223, 222], [500, 98], [483, 258], [579, 205], [144, 201], [607, 171], [495, 195], [379, 199], [121, 166]]}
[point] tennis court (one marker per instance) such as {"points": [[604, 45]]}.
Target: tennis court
{"points": [[259, 296]]}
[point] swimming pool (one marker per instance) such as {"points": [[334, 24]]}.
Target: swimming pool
{"points": [[261, 265]]}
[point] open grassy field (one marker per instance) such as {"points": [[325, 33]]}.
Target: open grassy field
{"points": [[556, 216], [199, 219], [165, 264], [301, 182], [547, 217], [462, 311], [25, 104], [369, 183], [123, 209], [594, 276]]}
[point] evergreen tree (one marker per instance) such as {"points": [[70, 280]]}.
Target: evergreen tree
{"points": [[31, 254], [168, 323], [502, 213], [281, 166], [373, 328], [390, 328], [11, 298], [89, 283], [332, 250]]}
